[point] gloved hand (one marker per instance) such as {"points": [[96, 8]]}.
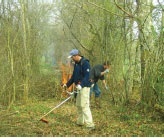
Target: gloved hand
{"points": [[78, 87], [106, 71], [92, 85], [64, 86], [106, 87]]}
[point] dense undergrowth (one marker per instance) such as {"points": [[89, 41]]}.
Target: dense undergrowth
{"points": [[110, 120]]}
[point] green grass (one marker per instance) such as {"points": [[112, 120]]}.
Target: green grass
{"points": [[110, 121]]}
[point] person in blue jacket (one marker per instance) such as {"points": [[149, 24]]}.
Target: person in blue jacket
{"points": [[80, 78]]}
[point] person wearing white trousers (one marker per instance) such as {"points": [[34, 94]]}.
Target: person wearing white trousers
{"points": [[84, 112], [81, 79]]}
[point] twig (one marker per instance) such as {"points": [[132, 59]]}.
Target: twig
{"points": [[129, 15], [104, 9]]}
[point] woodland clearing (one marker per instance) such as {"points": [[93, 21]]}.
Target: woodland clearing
{"points": [[110, 120]]}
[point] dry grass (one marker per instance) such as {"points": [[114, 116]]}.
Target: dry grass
{"points": [[110, 121]]}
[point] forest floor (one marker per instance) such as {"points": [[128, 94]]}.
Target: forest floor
{"points": [[110, 120]]}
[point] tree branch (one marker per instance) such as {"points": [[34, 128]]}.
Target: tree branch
{"points": [[129, 15], [104, 9]]}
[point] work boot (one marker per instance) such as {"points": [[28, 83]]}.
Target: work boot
{"points": [[90, 127], [79, 124]]}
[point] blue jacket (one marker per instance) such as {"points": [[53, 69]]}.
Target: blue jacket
{"points": [[80, 74]]}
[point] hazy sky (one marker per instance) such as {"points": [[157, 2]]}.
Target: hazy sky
{"points": [[156, 1]]}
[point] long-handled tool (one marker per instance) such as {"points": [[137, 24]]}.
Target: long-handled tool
{"points": [[44, 120]]}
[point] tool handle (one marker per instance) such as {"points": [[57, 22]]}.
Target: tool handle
{"points": [[56, 106]]}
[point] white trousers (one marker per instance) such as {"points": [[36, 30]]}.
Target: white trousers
{"points": [[84, 112]]}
